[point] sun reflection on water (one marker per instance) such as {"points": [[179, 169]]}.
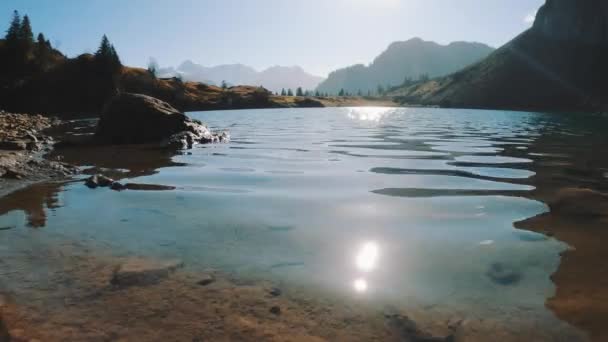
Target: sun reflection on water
{"points": [[367, 257], [360, 285], [374, 114], [366, 260]]}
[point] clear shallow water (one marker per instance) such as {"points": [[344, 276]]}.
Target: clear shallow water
{"points": [[409, 206]]}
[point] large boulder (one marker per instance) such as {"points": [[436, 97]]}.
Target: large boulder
{"points": [[137, 119]]}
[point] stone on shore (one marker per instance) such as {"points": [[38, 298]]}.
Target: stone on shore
{"points": [[142, 272], [580, 202], [96, 181], [139, 119]]}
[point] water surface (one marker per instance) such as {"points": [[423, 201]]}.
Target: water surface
{"points": [[413, 207]]}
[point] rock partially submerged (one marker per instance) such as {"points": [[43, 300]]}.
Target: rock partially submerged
{"points": [[580, 202], [142, 272], [101, 181], [139, 119]]}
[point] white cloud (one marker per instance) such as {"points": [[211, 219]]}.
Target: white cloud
{"points": [[529, 19]]}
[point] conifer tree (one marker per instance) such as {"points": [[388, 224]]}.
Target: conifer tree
{"points": [[341, 93], [25, 31], [283, 92], [299, 92], [289, 92], [12, 34]]}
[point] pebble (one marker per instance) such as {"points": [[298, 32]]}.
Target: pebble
{"points": [[275, 310], [275, 292], [206, 279]]}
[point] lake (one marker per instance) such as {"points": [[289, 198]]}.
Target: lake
{"points": [[403, 207]]}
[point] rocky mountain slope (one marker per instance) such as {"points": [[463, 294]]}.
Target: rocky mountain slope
{"points": [[409, 59], [560, 64]]}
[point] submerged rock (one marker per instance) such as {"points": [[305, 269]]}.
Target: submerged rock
{"points": [[206, 279], [405, 329], [98, 181], [137, 119], [140, 272], [502, 274], [275, 310], [580, 202]]}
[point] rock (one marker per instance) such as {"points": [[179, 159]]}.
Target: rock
{"points": [[503, 275], [275, 310], [206, 279], [580, 202], [405, 329], [116, 186], [13, 145], [275, 292], [13, 174], [141, 272], [148, 187], [135, 119], [98, 181], [180, 141]]}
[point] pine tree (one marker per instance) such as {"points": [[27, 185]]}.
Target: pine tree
{"points": [[283, 92], [12, 34], [224, 85], [25, 31], [289, 92], [341, 93], [299, 92], [107, 57]]}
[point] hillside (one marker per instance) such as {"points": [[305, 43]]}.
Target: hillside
{"points": [[409, 59], [274, 78], [560, 64]]}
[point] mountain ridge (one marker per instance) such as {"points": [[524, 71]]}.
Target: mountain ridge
{"points": [[413, 58], [274, 78]]}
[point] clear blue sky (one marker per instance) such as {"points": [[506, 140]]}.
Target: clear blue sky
{"points": [[319, 35]]}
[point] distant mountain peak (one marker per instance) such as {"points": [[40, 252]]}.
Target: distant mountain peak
{"points": [[411, 58], [274, 78]]}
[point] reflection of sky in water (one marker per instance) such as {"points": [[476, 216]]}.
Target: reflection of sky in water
{"points": [[293, 200]]}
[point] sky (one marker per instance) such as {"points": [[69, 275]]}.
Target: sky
{"points": [[318, 35]]}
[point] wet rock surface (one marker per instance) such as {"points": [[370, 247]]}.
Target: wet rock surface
{"points": [[139, 119], [23, 140]]}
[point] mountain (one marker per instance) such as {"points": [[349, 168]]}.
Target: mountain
{"points": [[409, 59], [559, 64], [274, 78]]}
